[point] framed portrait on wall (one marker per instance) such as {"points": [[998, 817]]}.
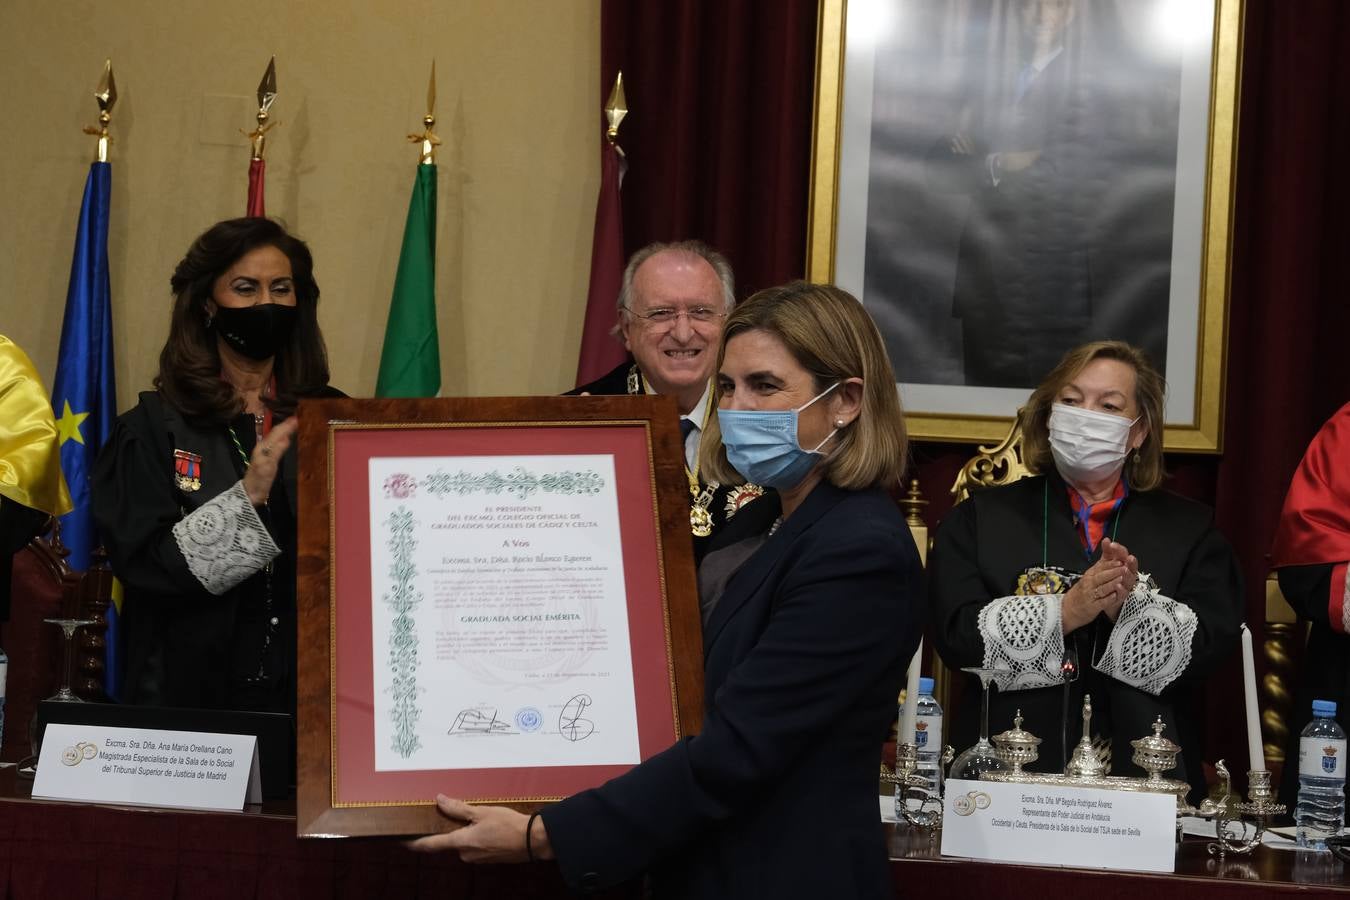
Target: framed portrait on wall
{"points": [[1002, 180]]}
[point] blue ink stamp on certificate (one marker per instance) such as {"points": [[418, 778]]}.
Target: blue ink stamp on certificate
{"points": [[529, 719]]}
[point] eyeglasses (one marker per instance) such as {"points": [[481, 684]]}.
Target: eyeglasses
{"points": [[666, 316]]}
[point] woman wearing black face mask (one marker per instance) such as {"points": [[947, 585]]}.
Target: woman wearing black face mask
{"points": [[1088, 569], [195, 493]]}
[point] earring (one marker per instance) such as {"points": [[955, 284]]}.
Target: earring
{"points": [[838, 423]]}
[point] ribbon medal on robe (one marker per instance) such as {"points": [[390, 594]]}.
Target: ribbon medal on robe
{"points": [[187, 470]]}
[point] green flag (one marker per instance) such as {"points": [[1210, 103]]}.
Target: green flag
{"points": [[410, 364]]}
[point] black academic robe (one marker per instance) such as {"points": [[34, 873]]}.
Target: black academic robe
{"points": [[184, 646], [804, 654], [18, 525], [987, 541], [1326, 660], [730, 502]]}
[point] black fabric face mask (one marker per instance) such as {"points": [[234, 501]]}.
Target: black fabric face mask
{"points": [[257, 332]]}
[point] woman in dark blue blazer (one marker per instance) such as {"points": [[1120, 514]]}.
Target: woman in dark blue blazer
{"points": [[808, 626]]}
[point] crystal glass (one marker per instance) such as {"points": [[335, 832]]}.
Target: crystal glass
{"points": [[68, 628], [64, 694], [980, 758]]}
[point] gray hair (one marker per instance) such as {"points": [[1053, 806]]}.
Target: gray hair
{"points": [[692, 248]]}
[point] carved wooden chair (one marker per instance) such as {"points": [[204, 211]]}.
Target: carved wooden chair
{"points": [[45, 587], [991, 466], [1284, 632]]}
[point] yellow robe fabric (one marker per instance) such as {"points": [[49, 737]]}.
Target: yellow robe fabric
{"points": [[30, 456]]}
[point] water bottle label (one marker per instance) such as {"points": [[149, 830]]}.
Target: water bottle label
{"points": [[928, 733], [1321, 758]]}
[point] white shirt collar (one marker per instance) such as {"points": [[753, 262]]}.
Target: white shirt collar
{"points": [[691, 443], [696, 415], [698, 412]]}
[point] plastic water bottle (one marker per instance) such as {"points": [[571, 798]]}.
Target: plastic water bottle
{"points": [[928, 736], [1321, 778], [927, 740]]}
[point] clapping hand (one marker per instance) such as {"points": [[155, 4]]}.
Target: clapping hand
{"points": [[266, 458], [1102, 589], [1114, 550]]}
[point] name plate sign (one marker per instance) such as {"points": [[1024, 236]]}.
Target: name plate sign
{"points": [[1041, 824], [148, 767]]}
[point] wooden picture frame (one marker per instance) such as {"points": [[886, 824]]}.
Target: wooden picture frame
{"points": [[350, 782], [885, 225]]}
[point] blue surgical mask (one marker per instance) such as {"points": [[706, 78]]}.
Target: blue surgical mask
{"points": [[762, 444]]}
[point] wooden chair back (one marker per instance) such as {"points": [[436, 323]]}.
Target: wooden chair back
{"points": [[45, 587]]}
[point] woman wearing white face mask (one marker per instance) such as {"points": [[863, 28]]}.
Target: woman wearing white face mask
{"points": [[1088, 569], [807, 629]]}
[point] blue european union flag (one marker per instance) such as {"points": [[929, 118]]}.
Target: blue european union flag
{"points": [[83, 395]]}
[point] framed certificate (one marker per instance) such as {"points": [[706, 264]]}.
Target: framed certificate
{"points": [[496, 601]]}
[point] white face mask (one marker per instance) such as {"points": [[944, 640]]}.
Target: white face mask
{"points": [[1087, 445]]}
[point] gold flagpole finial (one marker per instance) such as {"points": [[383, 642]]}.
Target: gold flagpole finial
{"points": [[615, 109], [106, 95], [267, 94], [428, 138]]}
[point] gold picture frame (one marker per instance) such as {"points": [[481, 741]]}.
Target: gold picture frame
{"points": [[1195, 421]]}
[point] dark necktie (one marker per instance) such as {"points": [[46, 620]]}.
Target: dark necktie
{"points": [[686, 426]]}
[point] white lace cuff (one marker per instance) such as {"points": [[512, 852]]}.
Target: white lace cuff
{"points": [[1150, 645], [224, 541], [1025, 635]]}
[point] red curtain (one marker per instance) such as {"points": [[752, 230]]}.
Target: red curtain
{"points": [[1289, 317], [718, 134], [720, 139]]}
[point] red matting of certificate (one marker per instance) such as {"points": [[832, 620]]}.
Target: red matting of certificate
{"points": [[343, 790]]}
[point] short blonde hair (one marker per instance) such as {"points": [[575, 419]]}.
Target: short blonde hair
{"points": [[1145, 467], [829, 334]]}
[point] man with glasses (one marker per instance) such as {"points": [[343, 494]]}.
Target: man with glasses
{"points": [[671, 307]]}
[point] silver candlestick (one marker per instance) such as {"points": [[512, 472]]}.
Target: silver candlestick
{"points": [[913, 786], [1250, 817]]}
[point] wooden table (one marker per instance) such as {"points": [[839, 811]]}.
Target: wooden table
{"points": [[916, 862], [76, 851], [72, 851]]}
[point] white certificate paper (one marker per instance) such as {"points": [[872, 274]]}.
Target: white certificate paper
{"points": [[499, 614]]}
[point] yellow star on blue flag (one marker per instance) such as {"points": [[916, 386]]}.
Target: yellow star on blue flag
{"points": [[84, 382], [68, 426]]}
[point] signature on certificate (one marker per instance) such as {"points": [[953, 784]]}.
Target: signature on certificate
{"points": [[478, 721], [571, 724]]}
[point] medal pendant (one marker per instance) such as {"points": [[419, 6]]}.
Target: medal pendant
{"points": [[700, 521]]}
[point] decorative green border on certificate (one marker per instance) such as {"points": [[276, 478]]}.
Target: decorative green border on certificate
{"points": [[403, 601], [520, 482]]}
